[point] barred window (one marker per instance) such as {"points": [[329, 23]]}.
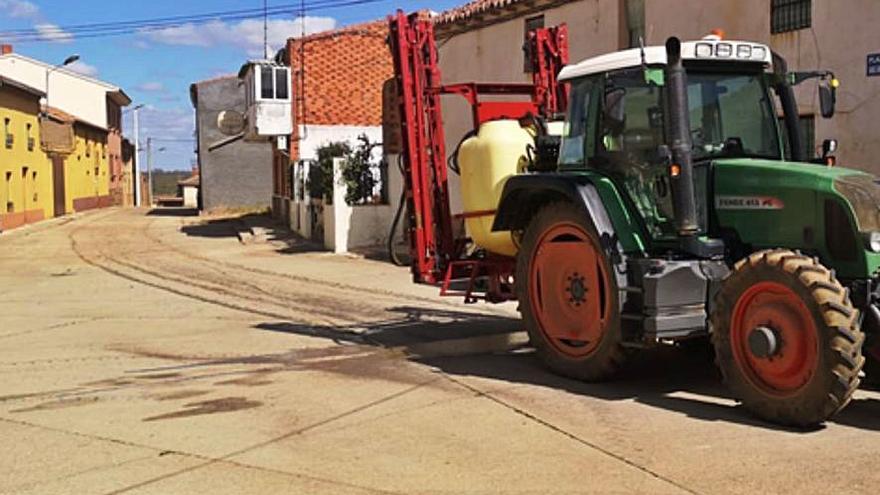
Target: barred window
{"points": [[531, 24], [790, 15]]}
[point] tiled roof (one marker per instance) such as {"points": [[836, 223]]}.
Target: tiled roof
{"points": [[60, 115], [473, 8], [479, 13]]}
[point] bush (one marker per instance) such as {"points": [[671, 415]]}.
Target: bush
{"points": [[358, 173], [321, 175]]}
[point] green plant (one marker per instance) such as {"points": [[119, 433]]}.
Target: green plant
{"points": [[321, 174], [358, 173]]}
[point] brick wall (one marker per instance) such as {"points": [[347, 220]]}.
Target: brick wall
{"points": [[338, 77]]}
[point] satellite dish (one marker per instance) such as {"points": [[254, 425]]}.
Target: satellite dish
{"points": [[231, 122]]}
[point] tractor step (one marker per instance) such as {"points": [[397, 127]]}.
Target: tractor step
{"points": [[669, 299]]}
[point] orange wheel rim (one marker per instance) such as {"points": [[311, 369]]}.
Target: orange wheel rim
{"points": [[569, 290], [772, 312]]}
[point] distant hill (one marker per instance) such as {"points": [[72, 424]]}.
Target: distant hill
{"points": [[165, 181]]}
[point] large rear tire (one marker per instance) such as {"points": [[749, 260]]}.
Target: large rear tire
{"points": [[568, 295], [787, 338]]}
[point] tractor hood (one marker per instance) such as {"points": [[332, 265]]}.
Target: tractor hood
{"points": [[826, 211]]}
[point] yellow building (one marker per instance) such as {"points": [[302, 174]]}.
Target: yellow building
{"points": [[79, 156], [26, 186], [87, 170]]}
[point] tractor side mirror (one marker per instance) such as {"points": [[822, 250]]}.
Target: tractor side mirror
{"points": [[614, 109], [827, 100]]}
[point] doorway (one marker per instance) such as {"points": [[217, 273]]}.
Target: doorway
{"points": [[58, 184]]}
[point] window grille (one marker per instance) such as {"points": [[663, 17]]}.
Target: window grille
{"points": [[790, 15]]}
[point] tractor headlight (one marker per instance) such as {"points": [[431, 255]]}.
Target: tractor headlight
{"points": [[872, 240]]}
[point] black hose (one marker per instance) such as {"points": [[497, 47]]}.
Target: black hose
{"points": [[452, 161], [392, 253]]}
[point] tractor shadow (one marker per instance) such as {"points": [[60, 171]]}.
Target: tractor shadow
{"points": [[684, 380], [668, 378]]}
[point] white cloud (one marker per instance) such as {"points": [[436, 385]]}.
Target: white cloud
{"points": [[246, 34], [53, 33], [83, 68], [19, 9], [151, 87]]}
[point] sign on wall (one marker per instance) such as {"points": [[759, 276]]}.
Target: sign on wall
{"points": [[874, 64]]}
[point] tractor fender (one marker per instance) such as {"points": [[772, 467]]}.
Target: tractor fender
{"points": [[523, 195]]}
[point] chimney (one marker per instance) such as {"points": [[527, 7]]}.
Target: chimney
{"points": [[5, 49]]}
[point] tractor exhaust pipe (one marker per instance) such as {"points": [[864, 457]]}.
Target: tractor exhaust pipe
{"points": [[678, 136]]}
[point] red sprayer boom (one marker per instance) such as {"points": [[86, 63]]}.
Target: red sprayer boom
{"points": [[437, 256]]}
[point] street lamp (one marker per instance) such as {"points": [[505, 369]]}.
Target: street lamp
{"points": [[67, 61], [137, 174]]}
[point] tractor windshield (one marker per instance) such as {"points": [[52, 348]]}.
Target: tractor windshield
{"points": [[731, 116]]}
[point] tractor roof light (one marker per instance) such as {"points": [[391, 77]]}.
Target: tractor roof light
{"points": [[704, 50], [724, 50], [759, 52]]}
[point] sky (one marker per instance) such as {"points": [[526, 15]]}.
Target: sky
{"points": [[156, 68]]}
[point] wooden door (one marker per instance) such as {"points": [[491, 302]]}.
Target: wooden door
{"points": [[58, 184]]}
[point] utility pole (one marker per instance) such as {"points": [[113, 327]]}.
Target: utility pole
{"points": [[137, 158], [150, 168]]}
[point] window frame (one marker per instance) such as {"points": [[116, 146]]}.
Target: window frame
{"points": [[529, 25], [790, 15]]}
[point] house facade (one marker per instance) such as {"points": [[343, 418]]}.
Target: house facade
{"points": [[338, 78], [482, 41], [69, 141], [337, 88], [26, 185], [235, 173]]}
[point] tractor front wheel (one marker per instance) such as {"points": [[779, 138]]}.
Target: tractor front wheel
{"points": [[568, 294], [787, 338]]}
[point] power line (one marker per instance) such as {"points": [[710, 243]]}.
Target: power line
{"points": [[122, 28]]}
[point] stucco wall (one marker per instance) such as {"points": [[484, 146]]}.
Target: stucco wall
{"points": [[494, 54], [237, 175], [86, 170], [24, 198], [84, 98], [315, 136]]}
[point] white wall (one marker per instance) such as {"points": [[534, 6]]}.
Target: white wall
{"points": [[191, 196], [348, 227], [80, 96], [315, 136]]}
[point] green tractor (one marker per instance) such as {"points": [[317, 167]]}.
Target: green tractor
{"points": [[681, 207]]}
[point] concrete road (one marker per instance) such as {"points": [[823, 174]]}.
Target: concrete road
{"points": [[155, 353]]}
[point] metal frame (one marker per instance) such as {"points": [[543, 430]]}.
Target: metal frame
{"points": [[437, 257]]}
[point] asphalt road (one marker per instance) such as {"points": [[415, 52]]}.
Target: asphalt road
{"points": [[155, 353]]}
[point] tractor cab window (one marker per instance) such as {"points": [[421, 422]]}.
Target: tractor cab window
{"points": [[630, 133], [579, 135], [732, 116]]}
